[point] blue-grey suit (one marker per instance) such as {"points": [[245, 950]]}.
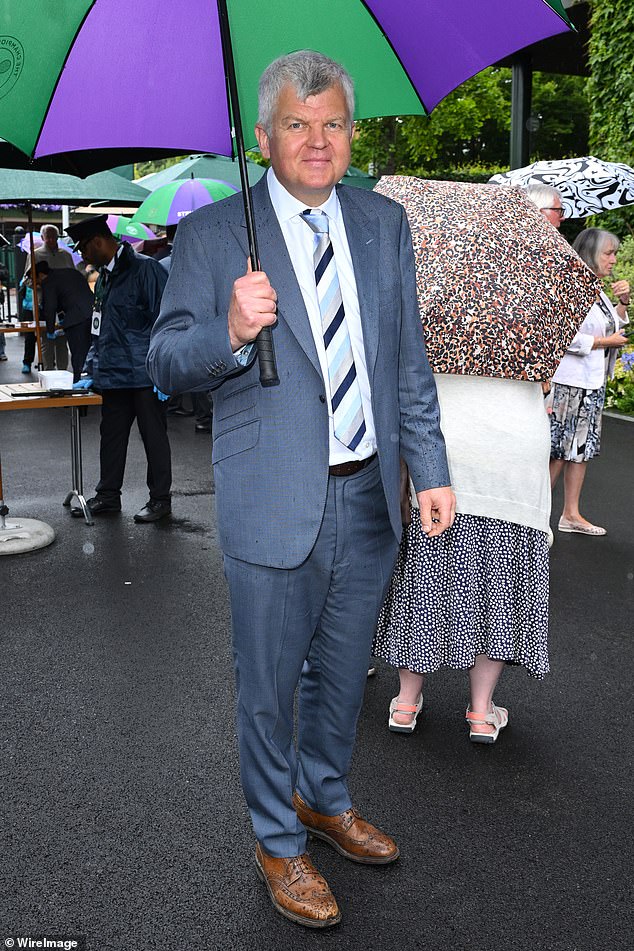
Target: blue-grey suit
{"points": [[307, 556]]}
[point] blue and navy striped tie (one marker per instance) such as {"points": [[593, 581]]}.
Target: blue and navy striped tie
{"points": [[345, 395]]}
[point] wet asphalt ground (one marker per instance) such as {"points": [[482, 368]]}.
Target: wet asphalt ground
{"points": [[122, 816]]}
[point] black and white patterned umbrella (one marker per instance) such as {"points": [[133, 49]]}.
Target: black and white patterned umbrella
{"points": [[587, 185]]}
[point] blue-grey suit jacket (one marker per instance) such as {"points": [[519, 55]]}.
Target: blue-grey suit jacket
{"points": [[270, 445]]}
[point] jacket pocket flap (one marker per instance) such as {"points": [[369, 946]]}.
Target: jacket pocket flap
{"points": [[236, 402], [235, 440]]}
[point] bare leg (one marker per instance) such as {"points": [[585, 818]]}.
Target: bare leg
{"points": [[574, 474], [483, 678], [410, 690], [556, 466]]}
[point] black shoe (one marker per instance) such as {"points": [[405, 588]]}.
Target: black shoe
{"points": [[153, 511], [180, 411], [202, 427], [98, 506]]}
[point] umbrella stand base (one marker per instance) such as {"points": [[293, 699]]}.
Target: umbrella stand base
{"points": [[24, 534]]}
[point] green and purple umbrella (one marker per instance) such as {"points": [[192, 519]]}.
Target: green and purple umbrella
{"points": [[405, 56], [127, 229], [219, 167], [170, 203]]}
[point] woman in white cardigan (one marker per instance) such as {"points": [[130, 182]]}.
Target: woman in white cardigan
{"points": [[578, 389]]}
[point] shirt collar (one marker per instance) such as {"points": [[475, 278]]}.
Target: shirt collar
{"points": [[111, 264], [287, 206]]}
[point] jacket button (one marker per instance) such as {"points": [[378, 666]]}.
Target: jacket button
{"points": [[322, 398]]}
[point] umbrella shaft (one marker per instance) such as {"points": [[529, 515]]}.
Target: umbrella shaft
{"points": [[264, 340]]}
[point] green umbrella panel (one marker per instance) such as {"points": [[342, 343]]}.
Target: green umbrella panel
{"points": [[170, 203], [204, 165]]}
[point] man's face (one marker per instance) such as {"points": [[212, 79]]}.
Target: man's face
{"points": [[309, 144], [93, 251], [554, 213], [49, 237]]}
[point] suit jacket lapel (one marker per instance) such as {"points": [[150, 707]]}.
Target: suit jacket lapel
{"points": [[275, 260], [363, 238]]}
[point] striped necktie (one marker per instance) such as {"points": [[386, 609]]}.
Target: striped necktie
{"points": [[345, 395]]}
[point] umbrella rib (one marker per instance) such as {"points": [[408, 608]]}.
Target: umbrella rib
{"points": [[400, 61], [561, 13], [57, 81]]}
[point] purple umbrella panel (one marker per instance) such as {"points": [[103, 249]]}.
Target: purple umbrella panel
{"points": [[396, 50]]}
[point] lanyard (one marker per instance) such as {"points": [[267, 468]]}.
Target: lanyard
{"points": [[100, 289], [609, 316]]}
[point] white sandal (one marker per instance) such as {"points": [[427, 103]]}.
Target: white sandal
{"points": [[581, 528], [398, 706], [497, 718]]}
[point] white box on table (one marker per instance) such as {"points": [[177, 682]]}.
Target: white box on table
{"points": [[55, 379]]}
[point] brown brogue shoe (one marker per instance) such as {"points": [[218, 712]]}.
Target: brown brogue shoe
{"points": [[297, 890], [349, 834]]}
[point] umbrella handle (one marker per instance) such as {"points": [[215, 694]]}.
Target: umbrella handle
{"points": [[266, 358]]}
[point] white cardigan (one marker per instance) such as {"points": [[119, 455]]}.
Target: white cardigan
{"points": [[581, 365], [498, 446]]}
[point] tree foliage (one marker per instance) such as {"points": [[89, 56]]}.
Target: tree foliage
{"points": [[467, 135], [611, 88]]}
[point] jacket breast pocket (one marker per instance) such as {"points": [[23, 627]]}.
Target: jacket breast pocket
{"points": [[235, 440]]}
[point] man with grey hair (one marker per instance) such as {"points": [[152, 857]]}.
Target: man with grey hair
{"points": [[50, 250], [548, 200], [306, 473], [54, 345]]}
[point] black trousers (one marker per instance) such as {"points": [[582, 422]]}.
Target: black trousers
{"points": [[29, 339], [119, 410], [78, 340]]}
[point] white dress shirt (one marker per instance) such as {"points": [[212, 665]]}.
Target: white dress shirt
{"points": [[299, 240]]}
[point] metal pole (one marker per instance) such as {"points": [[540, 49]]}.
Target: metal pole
{"points": [[36, 306], [521, 90], [4, 511], [264, 340]]}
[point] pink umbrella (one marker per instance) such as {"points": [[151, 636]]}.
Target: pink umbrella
{"points": [[25, 245]]}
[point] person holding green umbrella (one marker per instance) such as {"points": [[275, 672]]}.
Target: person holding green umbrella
{"points": [[307, 472]]}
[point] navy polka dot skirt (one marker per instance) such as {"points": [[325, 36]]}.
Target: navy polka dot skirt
{"points": [[479, 588]]}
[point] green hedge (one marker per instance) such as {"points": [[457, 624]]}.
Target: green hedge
{"points": [[619, 394], [611, 94]]}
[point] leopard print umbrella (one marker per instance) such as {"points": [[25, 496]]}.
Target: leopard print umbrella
{"points": [[501, 293]]}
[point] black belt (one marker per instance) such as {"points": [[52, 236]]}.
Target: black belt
{"points": [[349, 468]]}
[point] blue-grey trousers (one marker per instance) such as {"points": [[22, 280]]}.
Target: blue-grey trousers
{"points": [[313, 626]]}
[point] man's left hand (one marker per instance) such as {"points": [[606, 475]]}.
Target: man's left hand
{"points": [[437, 509]]}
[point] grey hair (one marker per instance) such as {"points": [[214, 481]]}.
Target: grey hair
{"points": [[46, 228], [541, 195], [590, 243], [309, 73]]}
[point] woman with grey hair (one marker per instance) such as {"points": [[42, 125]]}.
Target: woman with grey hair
{"points": [[578, 389]]}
